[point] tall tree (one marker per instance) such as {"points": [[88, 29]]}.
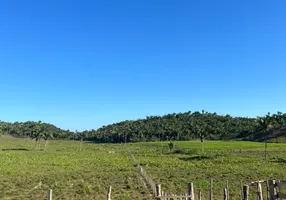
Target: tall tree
{"points": [[266, 123], [47, 135], [82, 135], [37, 134]]}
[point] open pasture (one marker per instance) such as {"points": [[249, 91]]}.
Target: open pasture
{"points": [[73, 174], [234, 162]]}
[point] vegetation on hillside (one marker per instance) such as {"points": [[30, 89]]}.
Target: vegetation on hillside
{"points": [[34, 130], [187, 126], [176, 126]]}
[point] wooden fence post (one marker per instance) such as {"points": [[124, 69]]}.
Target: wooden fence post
{"points": [[109, 193], [259, 192], [225, 194], [241, 189], [162, 194], [191, 191], [154, 189], [227, 190], [272, 190], [267, 190], [50, 195], [158, 190], [245, 192], [200, 195], [211, 189]]}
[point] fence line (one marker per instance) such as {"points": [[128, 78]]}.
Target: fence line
{"points": [[156, 188], [273, 190], [143, 173]]}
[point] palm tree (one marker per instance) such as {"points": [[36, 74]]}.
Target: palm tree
{"points": [[46, 136], [280, 118], [266, 123], [37, 133], [82, 135], [199, 130]]}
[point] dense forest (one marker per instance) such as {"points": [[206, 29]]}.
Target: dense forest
{"points": [[176, 126]]}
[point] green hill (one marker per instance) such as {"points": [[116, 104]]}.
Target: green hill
{"points": [[27, 129], [193, 125], [175, 126]]}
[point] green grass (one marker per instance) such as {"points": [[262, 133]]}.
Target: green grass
{"points": [[234, 162], [86, 174], [220, 145], [70, 173]]}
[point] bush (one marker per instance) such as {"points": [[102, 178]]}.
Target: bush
{"points": [[171, 146]]}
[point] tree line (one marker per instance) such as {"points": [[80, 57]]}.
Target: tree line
{"points": [[176, 126]]}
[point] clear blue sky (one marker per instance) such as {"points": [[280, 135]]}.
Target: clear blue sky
{"points": [[83, 64]]}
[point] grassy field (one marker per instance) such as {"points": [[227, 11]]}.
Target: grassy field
{"points": [[232, 162], [73, 174]]}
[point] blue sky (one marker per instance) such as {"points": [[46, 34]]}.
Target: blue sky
{"points": [[84, 64]]}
